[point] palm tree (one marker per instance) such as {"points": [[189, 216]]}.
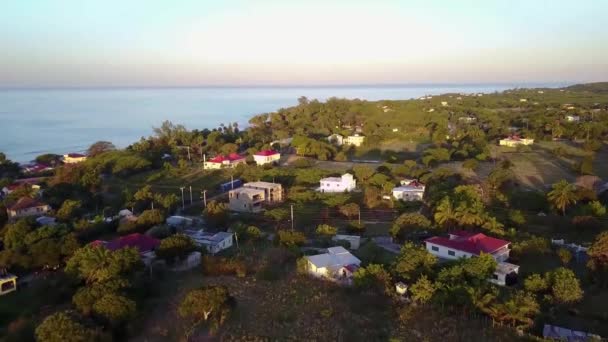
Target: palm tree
{"points": [[470, 214], [445, 214], [562, 195]]}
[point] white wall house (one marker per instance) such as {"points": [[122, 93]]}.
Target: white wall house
{"points": [[222, 162], [344, 183], [213, 242], [73, 158], [514, 141], [267, 157], [26, 206], [336, 139], [573, 118], [466, 245], [354, 140], [336, 264], [409, 191]]}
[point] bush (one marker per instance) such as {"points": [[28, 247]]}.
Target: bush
{"points": [[355, 227], [216, 266], [303, 163], [586, 222], [470, 164], [291, 238]]}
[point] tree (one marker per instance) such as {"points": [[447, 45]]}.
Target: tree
{"points": [[69, 210], [520, 308], [98, 264], [350, 210], [565, 287], [100, 147], [363, 173], [413, 261], [326, 230], [61, 327], [373, 277], [536, 283], [597, 209], [585, 167], [422, 290], [598, 259], [470, 164], [150, 218], [372, 196], [176, 246], [291, 238], [445, 214], [407, 223], [563, 195], [565, 256], [211, 303], [115, 308], [216, 213]]}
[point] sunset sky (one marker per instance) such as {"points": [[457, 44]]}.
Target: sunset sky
{"points": [[86, 43]]}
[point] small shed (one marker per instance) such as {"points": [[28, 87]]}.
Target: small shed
{"points": [[8, 283]]}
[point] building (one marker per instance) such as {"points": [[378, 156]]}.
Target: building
{"points": [[213, 242], [35, 168], [221, 161], [345, 183], [272, 191], [246, 200], [444, 103], [336, 139], [514, 141], [73, 158], [267, 157], [354, 140], [146, 245], [34, 183], [336, 264], [467, 119], [573, 118], [26, 206], [8, 283], [410, 190], [463, 244]]}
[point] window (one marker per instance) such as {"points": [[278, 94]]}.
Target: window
{"points": [[452, 253], [495, 276], [435, 248]]}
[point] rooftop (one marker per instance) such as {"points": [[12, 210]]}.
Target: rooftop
{"points": [[469, 242], [335, 257], [26, 203], [229, 158], [266, 153], [249, 191], [142, 242], [262, 185], [75, 155]]}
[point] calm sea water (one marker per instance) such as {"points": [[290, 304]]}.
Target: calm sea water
{"points": [[34, 122]]}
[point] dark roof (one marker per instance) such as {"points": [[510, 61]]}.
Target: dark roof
{"points": [[76, 155], [26, 203], [469, 242], [142, 242], [267, 153]]}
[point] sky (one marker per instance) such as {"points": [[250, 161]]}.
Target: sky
{"points": [[130, 43]]}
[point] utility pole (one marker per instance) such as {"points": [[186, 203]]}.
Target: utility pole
{"points": [[232, 182], [204, 192], [359, 216], [292, 217], [188, 147], [190, 194], [183, 203]]}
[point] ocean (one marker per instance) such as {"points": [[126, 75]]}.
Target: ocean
{"points": [[37, 121]]}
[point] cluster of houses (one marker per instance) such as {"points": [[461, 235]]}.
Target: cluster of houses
{"points": [[350, 140], [234, 159]]}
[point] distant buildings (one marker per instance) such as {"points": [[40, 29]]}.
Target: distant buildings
{"points": [[251, 196], [74, 158], [221, 162], [345, 183], [337, 264], [573, 118], [26, 206], [467, 119], [213, 242], [410, 190], [523, 100], [444, 103], [463, 244], [34, 168], [336, 139], [354, 140], [266, 157], [514, 141]]}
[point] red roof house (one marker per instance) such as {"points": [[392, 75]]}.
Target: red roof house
{"points": [[266, 157], [142, 242], [27, 206], [467, 244], [222, 161]]}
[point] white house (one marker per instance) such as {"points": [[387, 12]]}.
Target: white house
{"points": [[8, 283], [336, 264], [338, 184], [214, 243], [573, 118], [523, 100], [354, 140], [73, 158], [444, 103], [336, 139], [514, 141], [221, 162], [410, 190], [463, 244], [26, 206], [266, 157]]}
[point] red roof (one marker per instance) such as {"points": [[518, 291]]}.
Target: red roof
{"points": [[26, 203], [267, 153], [469, 242], [142, 242], [229, 158]]}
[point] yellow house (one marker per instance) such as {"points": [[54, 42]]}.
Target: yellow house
{"points": [[73, 158], [514, 141]]}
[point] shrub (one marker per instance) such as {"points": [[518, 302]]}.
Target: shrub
{"points": [[586, 222], [216, 266]]}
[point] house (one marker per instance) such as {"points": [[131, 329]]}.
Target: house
{"points": [[523, 100], [221, 161], [273, 192], [8, 283], [338, 184], [266, 157], [573, 118], [444, 103], [554, 332], [336, 264], [410, 190], [35, 168], [34, 183], [395, 129], [400, 288], [467, 119], [514, 141], [461, 244], [251, 196], [73, 158], [26, 206], [213, 242], [354, 140], [146, 245], [353, 240], [336, 139]]}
